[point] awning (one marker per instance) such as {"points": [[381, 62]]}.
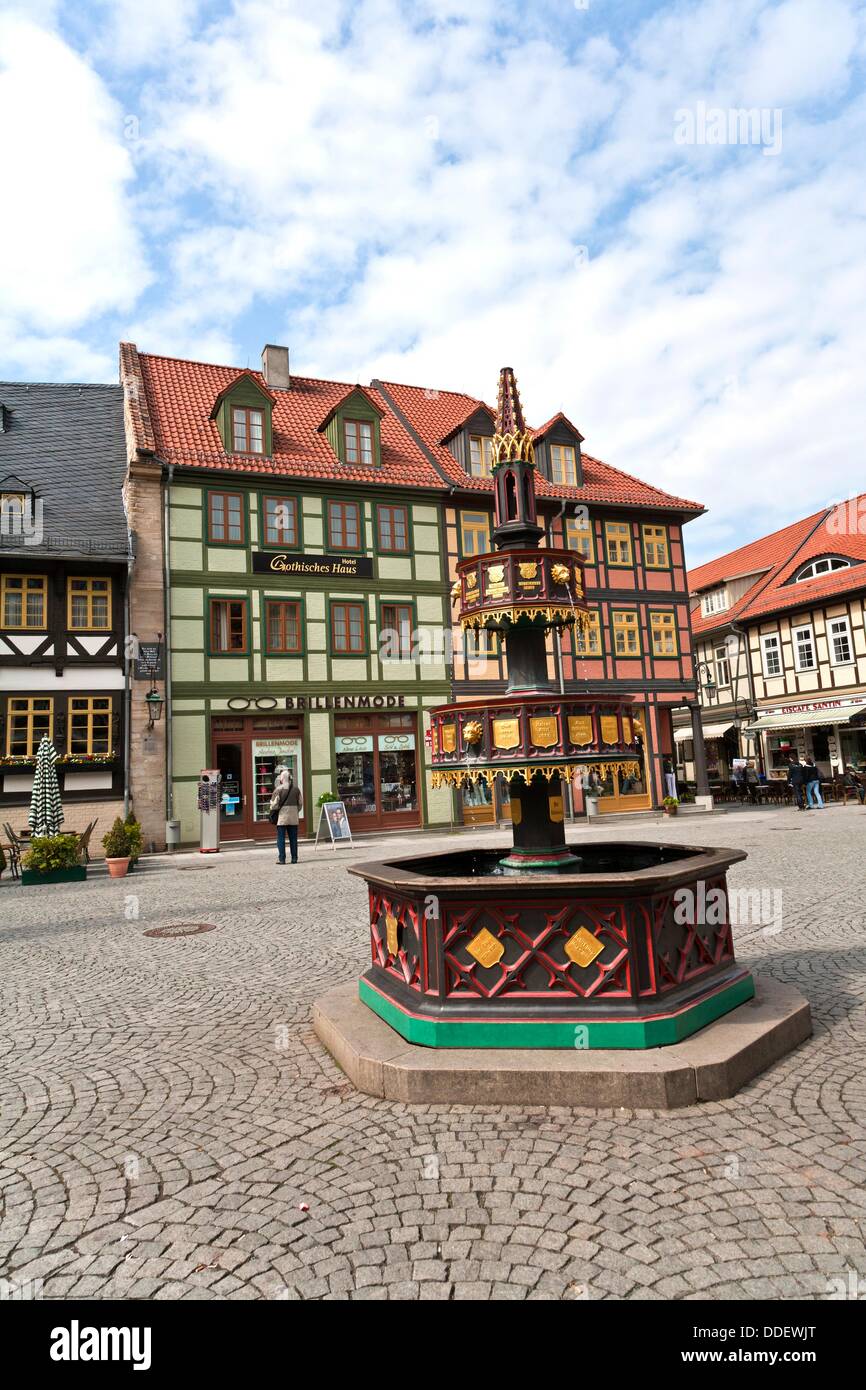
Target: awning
{"points": [[805, 719], [709, 731]]}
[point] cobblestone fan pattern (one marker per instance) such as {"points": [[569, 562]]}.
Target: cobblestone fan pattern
{"points": [[171, 1127]]}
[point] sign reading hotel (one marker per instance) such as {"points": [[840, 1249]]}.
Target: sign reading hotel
{"points": [[312, 566]]}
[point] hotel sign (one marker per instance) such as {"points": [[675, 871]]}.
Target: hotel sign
{"points": [[312, 566]]}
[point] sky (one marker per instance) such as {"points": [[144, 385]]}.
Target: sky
{"points": [[427, 191]]}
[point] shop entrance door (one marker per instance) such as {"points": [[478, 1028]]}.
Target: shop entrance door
{"points": [[234, 800], [622, 792]]}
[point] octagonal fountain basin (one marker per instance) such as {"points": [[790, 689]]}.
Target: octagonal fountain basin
{"points": [[631, 949]]}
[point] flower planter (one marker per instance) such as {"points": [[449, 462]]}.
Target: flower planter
{"points": [[117, 868], [671, 810], [73, 875]]}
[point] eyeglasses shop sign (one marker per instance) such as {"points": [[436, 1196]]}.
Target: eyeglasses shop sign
{"points": [[312, 566]]}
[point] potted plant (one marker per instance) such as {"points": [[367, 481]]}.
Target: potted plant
{"points": [[136, 839], [52, 859], [671, 805], [117, 849]]}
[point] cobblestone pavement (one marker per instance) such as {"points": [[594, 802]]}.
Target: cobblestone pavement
{"points": [[171, 1127]]}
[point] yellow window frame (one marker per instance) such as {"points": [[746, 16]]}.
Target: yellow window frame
{"points": [[575, 533], [663, 627], [656, 551], [588, 643], [89, 706], [89, 593], [7, 588], [563, 464], [617, 532], [480, 454], [625, 628], [474, 525], [19, 706]]}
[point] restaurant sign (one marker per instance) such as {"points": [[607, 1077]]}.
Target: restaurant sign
{"points": [[312, 566]]}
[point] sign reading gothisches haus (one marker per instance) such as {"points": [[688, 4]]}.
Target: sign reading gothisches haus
{"points": [[312, 566]]}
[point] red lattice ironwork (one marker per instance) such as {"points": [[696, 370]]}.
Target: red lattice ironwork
{"points": [[535, 964], [691, 934], [409, 961]]}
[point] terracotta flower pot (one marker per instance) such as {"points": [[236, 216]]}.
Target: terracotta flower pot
{"points": [[671, 810], [118, 868]]}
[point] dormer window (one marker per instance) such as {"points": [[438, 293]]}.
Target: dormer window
{"points": [[358, 442], [825, 565], [480, 456], [248, 429], [242, 412], [716, 601], [12, 508], [563, 464]]}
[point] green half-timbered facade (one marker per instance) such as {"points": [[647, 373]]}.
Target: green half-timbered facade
{"points": [[307, 609]]}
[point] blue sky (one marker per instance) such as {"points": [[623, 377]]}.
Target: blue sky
{"points": [[427, 191]]}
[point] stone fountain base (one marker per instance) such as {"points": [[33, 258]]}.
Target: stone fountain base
{"points": [[710, 1065]]}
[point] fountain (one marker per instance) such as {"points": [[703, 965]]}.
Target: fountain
{"points": [[548, 945]]}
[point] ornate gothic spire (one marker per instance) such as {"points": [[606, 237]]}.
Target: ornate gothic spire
{"points": [[512, 439]]}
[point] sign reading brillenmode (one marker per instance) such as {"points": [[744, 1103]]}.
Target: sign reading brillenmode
{"points": [[327, 566]]}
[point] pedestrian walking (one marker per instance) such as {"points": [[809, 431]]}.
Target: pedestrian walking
{"points": [[812, 779], [287, 804], [797, 782]]}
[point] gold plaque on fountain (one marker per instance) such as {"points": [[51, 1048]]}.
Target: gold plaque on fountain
{"points": [[543, 731], [557, 812], [583, 947], [609, 728], [627, 730], [496, 581], [506, 733], [391, 933], [528, 573], [486, 949], [516, 810], [580, 728], [449, 738], [472, 579]]}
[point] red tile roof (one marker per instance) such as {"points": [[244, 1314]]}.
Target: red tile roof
{"points": [[779, 556], [181, 394], [176, 399], [435, 415], [556, 419]]}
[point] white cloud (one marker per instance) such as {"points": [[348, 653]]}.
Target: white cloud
{"points": [[400, 190], [68, 242]]}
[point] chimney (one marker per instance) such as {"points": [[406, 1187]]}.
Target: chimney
{"points": [[275, 367]]}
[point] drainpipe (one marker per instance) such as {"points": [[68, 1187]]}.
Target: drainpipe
{"points": [[169, 789], [127, 680]]}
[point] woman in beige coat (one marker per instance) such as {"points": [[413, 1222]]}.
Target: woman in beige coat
{"points": [[289, 804]]}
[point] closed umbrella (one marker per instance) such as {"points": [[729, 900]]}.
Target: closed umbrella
{"points": [[46, 812]]}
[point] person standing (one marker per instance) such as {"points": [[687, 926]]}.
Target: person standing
{"points": [[670, 778], [812, 779], [751, 777], [796, 780], [288, 804]]}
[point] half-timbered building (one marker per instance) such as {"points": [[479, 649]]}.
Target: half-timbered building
{"points": [[63, 566], [781, 646]]}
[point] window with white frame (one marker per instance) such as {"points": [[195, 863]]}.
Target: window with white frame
{"points": [[771, 652], [839, 634], [723, 666], [825, 565], [804, 647], [714, 602]]}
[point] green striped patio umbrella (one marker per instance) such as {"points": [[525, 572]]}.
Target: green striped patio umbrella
{"points": [[46, 812]]}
